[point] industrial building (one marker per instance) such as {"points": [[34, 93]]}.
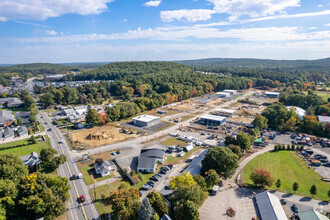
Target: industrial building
{"points": [[212, 120], [225, 112], [299, 111], [230, 91], [269, 206], [222, 94], [145, 120], [272, 94], [323, 119]]}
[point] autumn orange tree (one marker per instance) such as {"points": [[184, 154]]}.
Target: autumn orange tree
{"points": [[261, 178]]}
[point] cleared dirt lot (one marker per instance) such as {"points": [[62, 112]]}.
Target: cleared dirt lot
{"points": [[99, 136]]}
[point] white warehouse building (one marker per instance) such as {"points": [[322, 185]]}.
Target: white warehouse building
{"points": [[222, 94], [299, 111], [212, 120], [225, 112], [230, 91], [145, 120]]}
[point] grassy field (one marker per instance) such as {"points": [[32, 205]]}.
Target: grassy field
{"points": [[176, 160], [103, 206], [41, 128], [145, 178], [289, 168], [325, 95], [25, 150], [173, 141]]}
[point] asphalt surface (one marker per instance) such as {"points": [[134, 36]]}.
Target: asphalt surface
{"points": [[75, 209]]}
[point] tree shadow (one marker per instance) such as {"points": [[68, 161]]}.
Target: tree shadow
{"points": [[323, 203], [305, 199], [246, 192], [287, 195]]}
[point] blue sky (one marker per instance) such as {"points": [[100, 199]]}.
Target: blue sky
{"points": [[122, 30]]}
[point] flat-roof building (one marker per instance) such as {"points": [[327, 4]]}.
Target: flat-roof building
{"points": [[222, 94], [323, 119], [269, 207], [272, 94], [145, 120], [212, 119], [230, 91], [225, 112]]}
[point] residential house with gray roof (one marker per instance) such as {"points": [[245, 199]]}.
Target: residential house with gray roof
{"points": [[6, 118]]}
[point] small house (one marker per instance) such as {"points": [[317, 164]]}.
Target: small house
{"points": [[148, 159], [31, 160], [8, 133], [22, 131], [104, 168]]}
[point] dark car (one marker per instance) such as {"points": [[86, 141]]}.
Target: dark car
{"points": [[118, 152], [150, 183], [82, 198], [163, 171], [169, 166], [294, 208], [283, 202], [73, 177], [155, 178], [166, 168], [49, 129]]}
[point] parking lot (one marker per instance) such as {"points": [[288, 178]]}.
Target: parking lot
{"points": [[152, 129]]}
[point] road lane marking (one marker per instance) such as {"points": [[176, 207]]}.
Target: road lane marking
{"points": [[68, 168]]}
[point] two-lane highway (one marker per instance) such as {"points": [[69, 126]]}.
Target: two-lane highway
{"points": [[76, 210]]}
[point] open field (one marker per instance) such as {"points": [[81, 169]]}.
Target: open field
{"points": [[289, 168], [87, 169], [98, 136], [173, 141], [25, 150], [325, 95]]}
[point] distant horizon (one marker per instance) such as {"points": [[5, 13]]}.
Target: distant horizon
{"points": [[88, 62]]}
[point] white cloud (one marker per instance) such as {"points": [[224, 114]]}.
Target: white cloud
{"points": [[328, 25], [186, 15], [267, 34], [43, 9], [152, 3], [51, 32], [234, 8]]}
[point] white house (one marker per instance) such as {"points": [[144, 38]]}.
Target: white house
{"points": [[104, 168]]}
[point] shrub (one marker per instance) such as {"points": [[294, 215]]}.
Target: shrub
{"points": [[98, 160]]}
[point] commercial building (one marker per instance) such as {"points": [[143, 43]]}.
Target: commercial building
{"points": [[6, 118], [230, 91], [69, 111], [299, 111], [212, 120], [311, 215], [269, 207], [272, 94], [74, 118], [222, 94], [225, 112], [145, 120], [148, 159], [195, 166], [323, 119], [81, 109]]}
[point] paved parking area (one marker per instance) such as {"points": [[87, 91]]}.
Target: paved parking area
{"points": [[151, 129], [239, 199]]}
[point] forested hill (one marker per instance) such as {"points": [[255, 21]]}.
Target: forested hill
{"points": [[117, 70], [281, 70], [35, 68]]}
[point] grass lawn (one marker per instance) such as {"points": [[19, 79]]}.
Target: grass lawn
{"points": [[323, 94], [175, 160], [173, 141], [25, 150], [103, 206], [289, 168], [87, 169], [41, 128], [145, 178]]}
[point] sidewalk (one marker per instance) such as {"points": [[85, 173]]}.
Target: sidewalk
{"points": [[21, 138], [103, 182]]}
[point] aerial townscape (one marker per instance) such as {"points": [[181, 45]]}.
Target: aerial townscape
{"points": [[113, 110]]}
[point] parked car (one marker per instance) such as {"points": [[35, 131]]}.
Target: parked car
{"points": [[163, 171], [169, 166], [151, 183], [283, 202], [73, 177], [146, 187], [309, 144], [118, 152], [166, 168], [155, 178], [49, 129], [113, 153], [82, 198], [294, 208], [179, 149]]}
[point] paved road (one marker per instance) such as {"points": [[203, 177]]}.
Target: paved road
{"points": [[76, 211], [30, 85], [137, 142]]}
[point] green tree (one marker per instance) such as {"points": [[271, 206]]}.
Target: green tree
{"points": [[146, 212], [261, 178], [260, 122], [295, 186], [8, 194], [28, 101], [277, 115], [49, 161], [158, 203], [12, 168], [313, 190], [186, 179], [93, 117], [33, 140], [310, 110], [125, 203], [20, 121], [186, 210], [47, 100], [278, 183], [230, 140], [32, 119], [156, 216], [222, 160], [212, 178], [200, 180], [243, 141], [193, 193], [235, 149], [33, 109]]}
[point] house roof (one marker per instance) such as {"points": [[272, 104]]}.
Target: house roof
{"points": [[146, 118], [8, 132], [22, 130], [103, 166], [82, 107], [148, 157], [311, 215], [14, 101], [69, 111], [213, 117], [31, 159], [6, 115], [269, 206], [323, 119]]}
